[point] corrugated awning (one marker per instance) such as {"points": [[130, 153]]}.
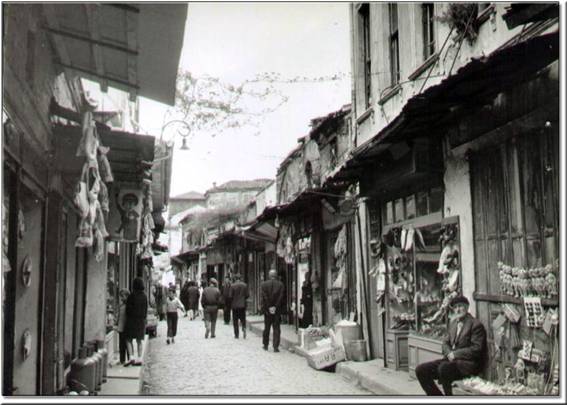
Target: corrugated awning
{"points": [[133, 47]]}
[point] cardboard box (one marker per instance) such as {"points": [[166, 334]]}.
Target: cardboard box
{"points": [[325, 357]]}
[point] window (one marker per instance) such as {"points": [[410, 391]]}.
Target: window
{"points": [[427, 15], [364, 18], [394, 44], [412, 206]]}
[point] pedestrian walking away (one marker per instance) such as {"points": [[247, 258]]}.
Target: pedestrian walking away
{"points": [[272, 297], [210, 300], [238, 294], [136, 315], [464, 350], [172, 303], [193, 297], [184, 295], [120, 324], [226, 301]]}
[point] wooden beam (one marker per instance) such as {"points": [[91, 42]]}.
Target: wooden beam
{"points": [[129, 86], [60, 111], [91, 39]]}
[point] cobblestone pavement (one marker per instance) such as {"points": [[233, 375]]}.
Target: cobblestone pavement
{"points": [[228, 366]]}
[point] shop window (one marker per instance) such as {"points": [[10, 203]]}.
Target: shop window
{"points": [[427, 17], [394, 44]]}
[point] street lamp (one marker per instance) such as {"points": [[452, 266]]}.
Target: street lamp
{"points": [[183, 134]]}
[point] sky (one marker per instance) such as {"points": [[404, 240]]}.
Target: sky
{"points": [[235, 42]]}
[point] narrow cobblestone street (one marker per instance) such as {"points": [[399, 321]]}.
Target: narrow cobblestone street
{"points": [[227, 366]]}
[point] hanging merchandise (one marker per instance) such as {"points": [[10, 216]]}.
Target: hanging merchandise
{"points": [[98, 245], [85, 238], [88, 145], [519, 282], [81, 198], [534, 312], [103, 198], [104, 165]]}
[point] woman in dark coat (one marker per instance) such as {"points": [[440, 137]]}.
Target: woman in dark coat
{"points": [[184, 296], [136, 313]]}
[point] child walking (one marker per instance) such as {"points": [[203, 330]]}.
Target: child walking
{"points": [[172, 303], [122, 340]]}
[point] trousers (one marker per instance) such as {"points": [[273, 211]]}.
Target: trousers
{"points": [[123, 347], [210, 315], [271, 321], [226, 314], [238, 314], [443, 370], [172, 319]]}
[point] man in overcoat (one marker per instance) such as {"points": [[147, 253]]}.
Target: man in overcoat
{"points": [[272, 297], [464, 351], [238, 294]]}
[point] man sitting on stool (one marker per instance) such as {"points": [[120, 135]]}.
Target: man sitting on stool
{"points": [[463, 352]]}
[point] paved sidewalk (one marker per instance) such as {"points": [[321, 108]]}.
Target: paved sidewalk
{"points": [[371, 375], [125, 381]]}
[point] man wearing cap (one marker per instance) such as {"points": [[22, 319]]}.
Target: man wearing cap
{"points": [[272, 297], [210, 300], [463, 351]]}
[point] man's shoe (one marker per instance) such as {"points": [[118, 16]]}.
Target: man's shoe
{"points": [[235, 336], [276, 350], [206, 334], [167, 341], [212, 336], [172, 340], [265, 348]]}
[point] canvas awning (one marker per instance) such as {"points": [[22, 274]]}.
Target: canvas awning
{"points": [[133, 47]]}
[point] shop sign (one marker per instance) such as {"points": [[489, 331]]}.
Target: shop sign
{"points": [[304, 244], [125, 215]]}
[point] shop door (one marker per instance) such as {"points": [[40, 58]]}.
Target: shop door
{"points": [[9, 257], [55, 259], [30, 226], [515, 194], [79, 305]]}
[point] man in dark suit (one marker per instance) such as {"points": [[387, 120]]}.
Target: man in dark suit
{"points": [[237, 295], [226, 301], [272, 297], [463, 352]]}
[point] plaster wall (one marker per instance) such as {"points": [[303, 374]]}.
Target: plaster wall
{"points": [[458, 201], [492, 34]]}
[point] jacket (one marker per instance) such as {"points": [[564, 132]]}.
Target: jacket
{"points": [[193, 296], [211, 296], [469, 347], [238, 294], [272, 295]]}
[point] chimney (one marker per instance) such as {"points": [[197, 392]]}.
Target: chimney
{"points": [[214, 184]]}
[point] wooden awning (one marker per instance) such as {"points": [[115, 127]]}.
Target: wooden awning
{"points": [[132, 47], [127, 152]]}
